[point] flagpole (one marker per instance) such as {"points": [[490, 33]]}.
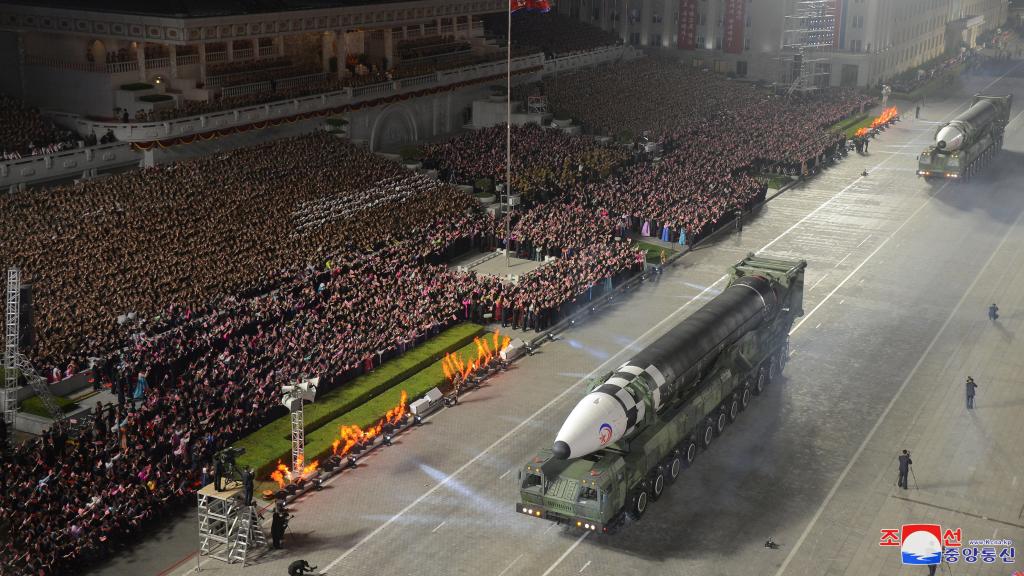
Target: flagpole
{"points": [[508, 139]]}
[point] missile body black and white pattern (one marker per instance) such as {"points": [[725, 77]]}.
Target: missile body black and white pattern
{"points": [[625, 402]]}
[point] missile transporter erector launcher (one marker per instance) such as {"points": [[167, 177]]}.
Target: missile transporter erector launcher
{"points": [[639, 426], [965, 144]]}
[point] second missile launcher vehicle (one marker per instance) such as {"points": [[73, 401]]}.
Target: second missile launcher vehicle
{"points": [[639, 426], [963, 145]]}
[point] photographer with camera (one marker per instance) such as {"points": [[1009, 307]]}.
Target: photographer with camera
{"points": [[905, 463], [300, 568], [278, 525]]}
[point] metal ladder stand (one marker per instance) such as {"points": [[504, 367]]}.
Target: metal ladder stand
{"points": [[249, 535]]}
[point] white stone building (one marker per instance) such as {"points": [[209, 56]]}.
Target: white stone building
{"points": [[875, 39]]}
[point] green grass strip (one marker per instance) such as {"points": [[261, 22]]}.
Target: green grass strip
{"points": [[35, 406], [263, 447], [318, 444], [654, 251]]}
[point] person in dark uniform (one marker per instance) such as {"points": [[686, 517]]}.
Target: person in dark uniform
{"points": [[218, 473], [931, 569], [249, 484], [299, 568], [970, 386], [993, 312], [905, 463], [277, 527]]}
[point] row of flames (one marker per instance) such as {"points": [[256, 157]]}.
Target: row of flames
{"points": [[884, 118], [454, 366], [349, 437]]}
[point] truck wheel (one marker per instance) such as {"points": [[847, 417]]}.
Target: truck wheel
{"points": [[773, 369], [762, 379], [673, 466], [689, 453], [783, 355], [745, 397], [657, 484], [720, 422], [734, 409], [708, 434], [639, 505]]}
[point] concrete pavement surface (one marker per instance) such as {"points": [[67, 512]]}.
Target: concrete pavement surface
{"points": [[900, 275]]}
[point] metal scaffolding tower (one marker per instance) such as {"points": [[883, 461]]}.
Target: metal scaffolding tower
{"points": [[294, 398], [15, 363], [12, 310], [298, 436], [228, 530], [810, 30]]}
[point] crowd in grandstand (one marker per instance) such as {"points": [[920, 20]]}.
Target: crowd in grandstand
{"points": [[248, 269], [716, 134], [24, 132]]}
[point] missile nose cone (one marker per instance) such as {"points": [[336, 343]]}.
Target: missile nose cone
{"points": [[560, 450]]}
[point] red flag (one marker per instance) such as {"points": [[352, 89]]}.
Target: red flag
{"points": [[532, 5]]}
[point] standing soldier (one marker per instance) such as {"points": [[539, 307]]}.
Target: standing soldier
{"points": [[905, 463], [971, 386], [277, 526], [993, 312]]}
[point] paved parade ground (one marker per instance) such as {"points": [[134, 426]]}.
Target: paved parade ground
{"points": [[899, 278]]}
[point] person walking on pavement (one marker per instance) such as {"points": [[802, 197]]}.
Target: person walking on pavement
{"points": [[971, 387], [993, 312], [905, 463]]}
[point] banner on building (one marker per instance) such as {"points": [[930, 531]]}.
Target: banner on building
{"points": [[733, 26], [687, 39], [839, 36]]}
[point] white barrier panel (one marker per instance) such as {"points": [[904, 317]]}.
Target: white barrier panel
{"points": [[66, 164]]}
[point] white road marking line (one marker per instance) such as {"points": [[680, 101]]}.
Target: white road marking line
{"points": [[864, 240], [588, 562], [834, 290], [513, 431], [791, 352], [566, 553], [443, 522], [818, 326], [818, 282], [870, 256], [505, 474], [842, 301], [843, 260], [871, 434], [511, 564]]}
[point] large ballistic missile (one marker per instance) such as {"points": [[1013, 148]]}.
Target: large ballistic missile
{"points": [[966, 126], [627, 400]]}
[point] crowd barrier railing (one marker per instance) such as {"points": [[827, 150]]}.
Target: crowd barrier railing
{"points": [[65, 164]]}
